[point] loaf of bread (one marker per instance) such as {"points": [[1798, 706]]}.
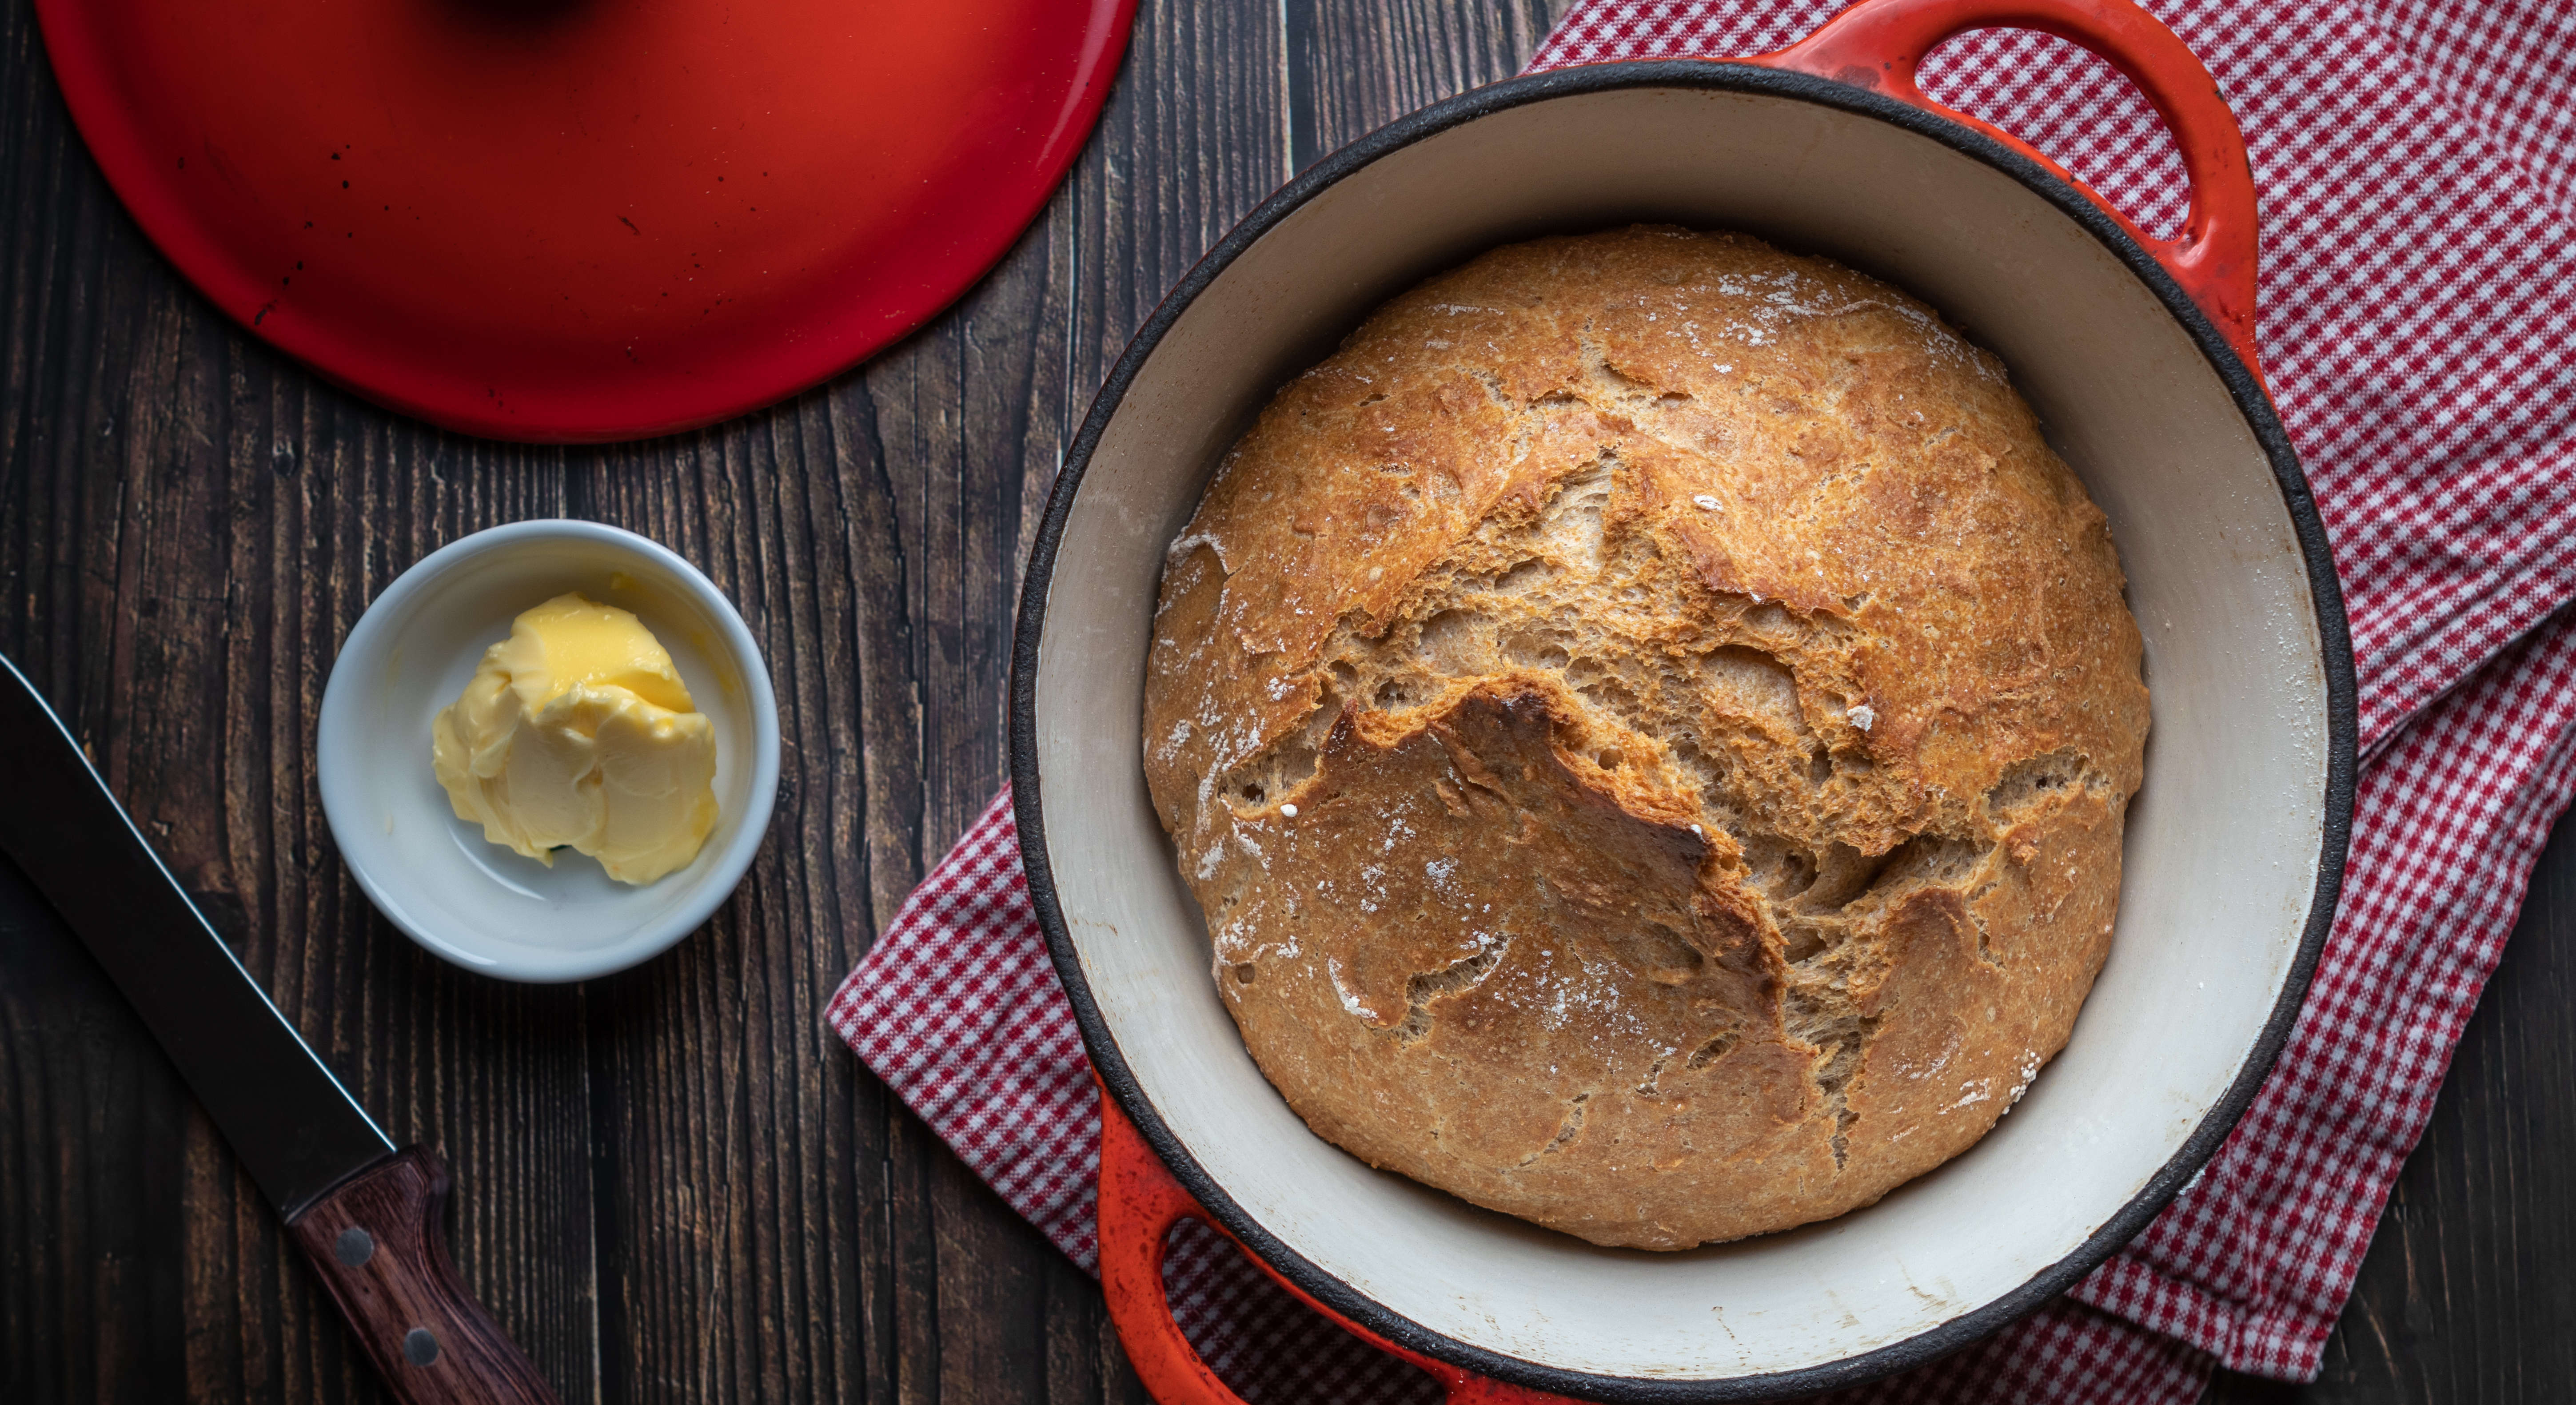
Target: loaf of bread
{"points": [[1648, 723]]}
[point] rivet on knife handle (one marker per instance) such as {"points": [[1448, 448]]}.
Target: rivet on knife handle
{"points": [[379, 1243]]}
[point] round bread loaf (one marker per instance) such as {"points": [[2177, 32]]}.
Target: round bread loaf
{"points": [[1648, 723]]}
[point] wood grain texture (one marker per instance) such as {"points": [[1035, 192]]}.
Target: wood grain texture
{"points": [[378, 1245], [673, 1184]]}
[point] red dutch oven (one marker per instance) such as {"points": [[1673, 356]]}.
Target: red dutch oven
{"points": [[576, 220], [2139, 355]]}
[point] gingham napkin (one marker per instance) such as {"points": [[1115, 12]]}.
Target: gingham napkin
{"points": [[2417, 165]]}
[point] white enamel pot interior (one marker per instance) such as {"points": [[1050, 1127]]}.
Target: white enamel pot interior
{"points": [[2234, 847]]}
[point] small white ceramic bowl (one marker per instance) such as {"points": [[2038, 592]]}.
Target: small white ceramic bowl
{"points": [[476, 903]]}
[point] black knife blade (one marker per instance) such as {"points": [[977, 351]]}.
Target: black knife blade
{"points": [[370, 1219], [296, 1130]]}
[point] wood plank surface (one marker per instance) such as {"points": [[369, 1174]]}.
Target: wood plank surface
{"points": [[673, 1184]]}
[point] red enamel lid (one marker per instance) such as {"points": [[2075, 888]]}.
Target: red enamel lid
{"points": [[583, 219]]}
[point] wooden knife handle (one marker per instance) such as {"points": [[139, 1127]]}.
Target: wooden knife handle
{"points": [[379, 1241]]}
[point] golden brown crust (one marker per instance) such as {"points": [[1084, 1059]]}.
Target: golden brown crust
{"points": [[1707, 708]]}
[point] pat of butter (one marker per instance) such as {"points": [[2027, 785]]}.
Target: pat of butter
{"points": [[578, 731]]}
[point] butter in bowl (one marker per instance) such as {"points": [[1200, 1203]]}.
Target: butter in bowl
{"points": [[548, 751]]}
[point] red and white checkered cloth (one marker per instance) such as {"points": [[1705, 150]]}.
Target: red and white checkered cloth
{"points": [[2417, 165]]}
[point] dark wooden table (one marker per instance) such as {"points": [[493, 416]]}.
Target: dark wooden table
{"points": [[675, 1185]]}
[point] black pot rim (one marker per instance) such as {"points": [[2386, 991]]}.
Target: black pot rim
{"points": [[2242, 385]]}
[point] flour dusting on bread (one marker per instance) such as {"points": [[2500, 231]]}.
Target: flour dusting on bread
{"points": [[1648, 722]]}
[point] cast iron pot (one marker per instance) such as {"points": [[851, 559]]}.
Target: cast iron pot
{"points": [[2138, 354]]}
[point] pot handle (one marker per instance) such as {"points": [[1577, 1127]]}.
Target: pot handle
{"points": [[1139, 1204], [1878, 44]]}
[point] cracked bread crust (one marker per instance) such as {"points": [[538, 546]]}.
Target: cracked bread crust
{"points": [[1648, 723]]}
